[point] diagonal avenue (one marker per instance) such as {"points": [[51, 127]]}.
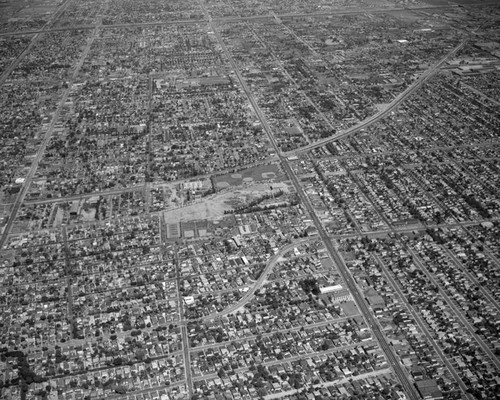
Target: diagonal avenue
{"points": [[46, 138], [423, 78], [395, 365], [37, 34]]}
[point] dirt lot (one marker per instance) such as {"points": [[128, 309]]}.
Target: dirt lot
{"points": [[213, 207]]}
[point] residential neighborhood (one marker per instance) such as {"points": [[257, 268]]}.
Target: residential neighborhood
{"points": [[227, 200]]}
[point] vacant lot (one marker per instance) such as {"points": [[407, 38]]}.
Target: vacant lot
{"points": [[213, 207]]}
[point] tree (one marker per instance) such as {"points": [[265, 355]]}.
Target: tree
{"points": [[121, 389]]}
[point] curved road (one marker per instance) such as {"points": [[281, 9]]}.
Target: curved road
{"points": [[424, 77], [258, 283], [358, 297]]}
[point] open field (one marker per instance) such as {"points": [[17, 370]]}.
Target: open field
{"points": [[269, 173], [213, 207]]}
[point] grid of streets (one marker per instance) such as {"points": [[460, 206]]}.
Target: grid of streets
{"points": [[257, 199]]}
